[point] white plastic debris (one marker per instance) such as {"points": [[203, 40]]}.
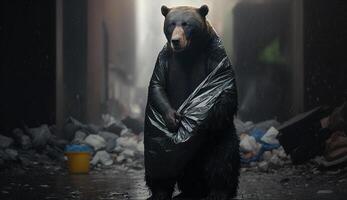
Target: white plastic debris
{"points": [[270, 136], [242, 127], [280, 152], [128, 153], [130, 143], [102, 157], [95, 141]]}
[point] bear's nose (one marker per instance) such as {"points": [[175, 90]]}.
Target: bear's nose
{"points": [[175, 42]]}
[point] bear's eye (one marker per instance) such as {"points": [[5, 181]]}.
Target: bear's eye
{"points": [[184, 23], [173, 24]]}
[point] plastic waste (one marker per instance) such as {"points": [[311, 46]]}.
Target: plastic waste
{"points": [[176, 148], [270, 136], [110, 138], [95, 141], [196, 107], [102, 157]]}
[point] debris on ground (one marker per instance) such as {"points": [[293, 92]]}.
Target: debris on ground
{"points": [[318, 135], [40, 135], [5, 142], [316, 138], [21, 139]]}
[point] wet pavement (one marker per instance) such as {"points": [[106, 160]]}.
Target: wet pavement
{"points": [[117, 182]]}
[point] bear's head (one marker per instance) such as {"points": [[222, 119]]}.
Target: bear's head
{"points": [[185, 27]]}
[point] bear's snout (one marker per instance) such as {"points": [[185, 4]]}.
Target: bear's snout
{"points": [[178, 39]]}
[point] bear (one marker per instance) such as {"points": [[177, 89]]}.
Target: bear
{"points": [[209, 166]]}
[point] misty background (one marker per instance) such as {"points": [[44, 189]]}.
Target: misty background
{"points": [[85, 58]]}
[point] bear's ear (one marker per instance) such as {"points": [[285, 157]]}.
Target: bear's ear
{"points": [[165, 10], [203, 10]]}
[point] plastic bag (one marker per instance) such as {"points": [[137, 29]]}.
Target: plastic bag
{"points": [[176, 149], [196, 107]]}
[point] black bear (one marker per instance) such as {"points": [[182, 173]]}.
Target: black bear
{"points": [[206, 166]]}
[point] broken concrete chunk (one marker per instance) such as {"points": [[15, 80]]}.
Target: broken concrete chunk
{"points": [[23, 140], [95, 141], [5, 142]]}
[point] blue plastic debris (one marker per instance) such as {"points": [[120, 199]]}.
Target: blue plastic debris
{"points": [[258, 134]]}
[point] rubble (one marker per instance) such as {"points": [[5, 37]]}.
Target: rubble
{"points": [[133, 124], [79, 137], [270, 136], [95, 141], [5, 142], [12, 154], [111, 140], [21, 139], [102, 157], [265, 146], [40, 135]]}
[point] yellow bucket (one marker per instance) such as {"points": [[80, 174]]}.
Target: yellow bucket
{"points": [[78, 162]]}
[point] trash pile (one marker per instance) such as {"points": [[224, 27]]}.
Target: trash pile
{"points": [[259, 145], [31, 147], [318, 135], [116, 142]]}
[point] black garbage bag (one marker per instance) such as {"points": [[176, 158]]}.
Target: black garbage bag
{"points": [[166, 153]]}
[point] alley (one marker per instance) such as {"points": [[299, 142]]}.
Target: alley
{"points": [[117, 182]]}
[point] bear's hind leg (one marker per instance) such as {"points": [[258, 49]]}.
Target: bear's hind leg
{"points": [[222, 167], [192, 182], [160, 189]]}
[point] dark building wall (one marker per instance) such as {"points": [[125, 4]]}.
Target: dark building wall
{"points": [[74, 59], [27, 73], [262, 59], [325, 60]]}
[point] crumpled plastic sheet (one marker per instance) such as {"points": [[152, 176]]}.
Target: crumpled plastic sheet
{"points": [[195, 108]]}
